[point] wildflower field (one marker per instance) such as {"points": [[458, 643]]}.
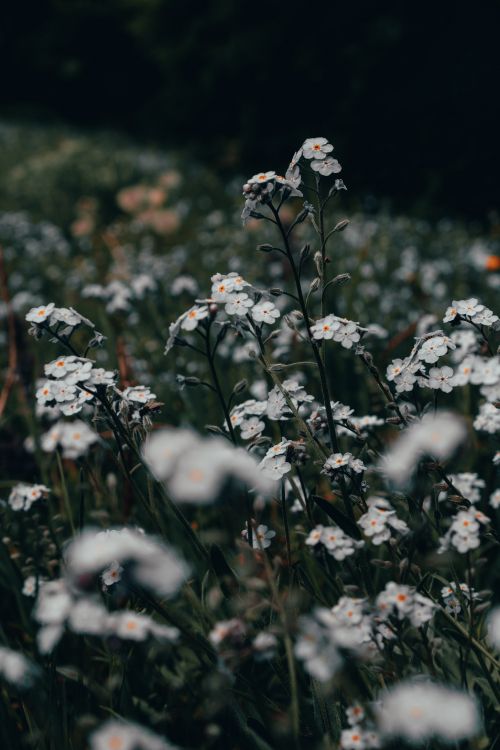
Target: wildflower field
{"points": [[249, 489]]}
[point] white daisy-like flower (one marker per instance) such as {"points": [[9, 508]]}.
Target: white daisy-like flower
{"points": [[326, 327], [40, 314], [112, 574], [347, 335], [124, 735], [193, 317], [265, 312], [262, 177], [440, 378], [435, 347], [250, 428], [140, 394], [261, 537], [326, 167], [419, 711], [495, 499], [66, 315], [238, 304], [316, 148], [275, 467]]}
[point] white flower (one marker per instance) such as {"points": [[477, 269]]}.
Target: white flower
{"points": [[355, 714], [88, 616], [60, 367], [193, 316], [163, 447], [195, 469], [488, 419], [16, 668], [316, 148], [250, 428], [437, 436], [261, 537], [238, 304], [495, 499], [154, 565], [225, 284], [140, 394], [469, 485], [274, 467], [262, 177], [317, 647], [131, 626], [75, 438], [325, 327], [62, 391], [347, 335], [40, 314], [440, 378], [66, 315], [29, 586], [112, 574], [352, 739], [53, 603], [338, 543], [395, 369], [435, 347], [419, 711], [265, 645], [315, 536], [22, 496], [451, 313], [337, 461], [326, 167], [469, 307], [463, 534], [124, 735], [100, 376], [463, 372], [265, 312], [279, 449]]}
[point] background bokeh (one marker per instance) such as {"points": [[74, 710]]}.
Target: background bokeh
{"points": [[407, 91]]}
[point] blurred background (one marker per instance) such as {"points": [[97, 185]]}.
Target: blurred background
{"points": [[406, 91]]}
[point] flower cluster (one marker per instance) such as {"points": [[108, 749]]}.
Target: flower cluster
{"points": [[337, 543], [464, 532], [72, 438], [22, 496], [401, 601], [195, 469], [380, 520], [71, 383]]}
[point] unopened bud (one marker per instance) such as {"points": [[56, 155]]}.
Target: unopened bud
{"points": [[343, 223]]}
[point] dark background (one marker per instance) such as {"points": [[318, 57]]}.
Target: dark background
{"points": [[407, 91]]}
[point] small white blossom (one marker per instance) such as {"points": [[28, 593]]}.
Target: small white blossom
{"points": [[265, 312], [40, 314], [326, 327], [419, 711], [316, 148], [238, 304], [193, 316], [326, 167]]}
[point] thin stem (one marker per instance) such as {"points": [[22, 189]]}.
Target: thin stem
{"points": [[218, 389]]}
